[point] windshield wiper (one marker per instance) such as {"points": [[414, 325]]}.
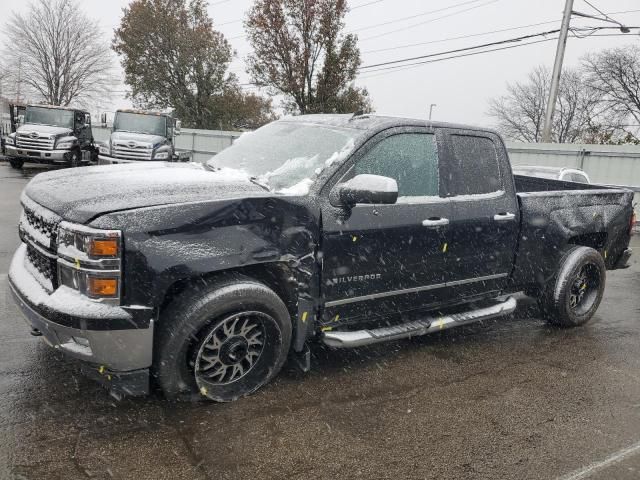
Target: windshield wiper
{"points": [[257, 182]]}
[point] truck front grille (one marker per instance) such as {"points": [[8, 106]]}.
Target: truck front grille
{"points": [[37, 142], [127, 152], [39, 230], [39, 225], [42, 267]]}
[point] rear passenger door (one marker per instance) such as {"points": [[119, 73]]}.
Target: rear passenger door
{"points": [[485, 216]]}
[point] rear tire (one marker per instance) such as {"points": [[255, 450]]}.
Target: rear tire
{"points": [[575, 293], [17, 164], [223, 342]]}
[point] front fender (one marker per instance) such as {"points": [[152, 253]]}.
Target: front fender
{"points": [[169, 244]]}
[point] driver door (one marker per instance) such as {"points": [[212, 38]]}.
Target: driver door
{"points": [[380, 260]]}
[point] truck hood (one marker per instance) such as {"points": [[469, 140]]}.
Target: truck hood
{"points": [[145, 138], [82, 194], [44, 130]]}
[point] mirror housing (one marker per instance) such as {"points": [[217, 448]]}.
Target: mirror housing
{"points": [[369, 189], [20, 119], [178, 127]]}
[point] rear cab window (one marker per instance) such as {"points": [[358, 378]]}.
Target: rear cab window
{"points": [[473, 167]]}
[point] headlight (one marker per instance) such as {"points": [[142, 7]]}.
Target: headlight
{"points": [[104, 149], [164, 155], [10, 140], [89, 260], [64, 145]]}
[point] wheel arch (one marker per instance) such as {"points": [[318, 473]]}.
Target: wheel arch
{"points": [[277, 276]]}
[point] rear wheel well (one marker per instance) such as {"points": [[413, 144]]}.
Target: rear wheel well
{"points": [[277, 276], [597, 240]]}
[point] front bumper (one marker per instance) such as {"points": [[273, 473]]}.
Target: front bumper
{"points": [[106, 160], [115, 341], [39, 156]]}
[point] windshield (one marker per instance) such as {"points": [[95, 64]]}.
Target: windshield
{"points": [[285, 156], [140, 123], [49, 116]]}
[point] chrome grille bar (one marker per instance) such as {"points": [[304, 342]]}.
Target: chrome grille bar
{"points": [[39, 143]]}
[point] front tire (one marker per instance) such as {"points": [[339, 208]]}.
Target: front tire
{"points": [[76, 159], [223, 343], [17, 164], [575, 293]]}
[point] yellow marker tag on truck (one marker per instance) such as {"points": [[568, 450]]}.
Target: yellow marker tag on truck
{"points": [[304, 317], [444, 248]]}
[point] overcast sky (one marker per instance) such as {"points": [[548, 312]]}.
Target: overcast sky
{"points": [[461, 87]]}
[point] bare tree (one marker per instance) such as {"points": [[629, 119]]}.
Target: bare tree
{"points": [[615, 75], [580, 114], [57, 53]]}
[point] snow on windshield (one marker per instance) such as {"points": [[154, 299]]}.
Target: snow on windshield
{"points": [[285, 157]]}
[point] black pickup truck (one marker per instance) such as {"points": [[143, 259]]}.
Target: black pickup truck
{"points": [[348, 229]]}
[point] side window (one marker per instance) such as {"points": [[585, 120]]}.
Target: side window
{"points": [[577, 177], [475, 168], [409, 158]]}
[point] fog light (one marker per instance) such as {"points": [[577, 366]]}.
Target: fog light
{"points": [[81, 341], [103, 287]]}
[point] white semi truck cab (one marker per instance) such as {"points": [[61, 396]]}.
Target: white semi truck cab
{"points": [[141, 136]]}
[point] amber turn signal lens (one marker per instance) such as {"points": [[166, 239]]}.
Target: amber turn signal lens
{"points": [[103, 287], [104, 247]]}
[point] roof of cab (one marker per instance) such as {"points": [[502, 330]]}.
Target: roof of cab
{"points": [[143, 112], [58, 107], [370, 121]]}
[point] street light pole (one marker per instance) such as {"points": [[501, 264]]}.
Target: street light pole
{"points": [[431, 110], [557, 72]]}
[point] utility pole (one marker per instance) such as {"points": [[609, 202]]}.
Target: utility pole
{"points": [[431, 110], [557, 72]]}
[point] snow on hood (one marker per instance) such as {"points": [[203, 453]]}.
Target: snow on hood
{"points": [[44, 129], [80, 194], [137, 137]]}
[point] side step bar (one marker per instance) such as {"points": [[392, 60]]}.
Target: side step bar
{"points": [[416, 328]]}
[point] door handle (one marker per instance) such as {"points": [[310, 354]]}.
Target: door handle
{"points": [[435, 222], [504, 217]]}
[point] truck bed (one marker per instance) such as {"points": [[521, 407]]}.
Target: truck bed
{"points": [[554, 213]]}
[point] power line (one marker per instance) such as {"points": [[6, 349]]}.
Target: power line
{"points": [[429, 21], [474, 47], [595, 8], [397, 68], [399, 47], [366, 4], [410, 17], [458, 38]]}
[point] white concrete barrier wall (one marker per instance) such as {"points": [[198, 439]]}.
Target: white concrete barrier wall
{"points": [[605, 164]]}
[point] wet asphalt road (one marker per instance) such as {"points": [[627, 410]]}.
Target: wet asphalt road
{"points": [[511, 398]]}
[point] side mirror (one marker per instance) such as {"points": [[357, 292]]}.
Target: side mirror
{"points": [[176, 130], [20, 119], [371, 189]]}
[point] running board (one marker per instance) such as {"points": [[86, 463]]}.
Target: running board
{"points": [[416, 328]]}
